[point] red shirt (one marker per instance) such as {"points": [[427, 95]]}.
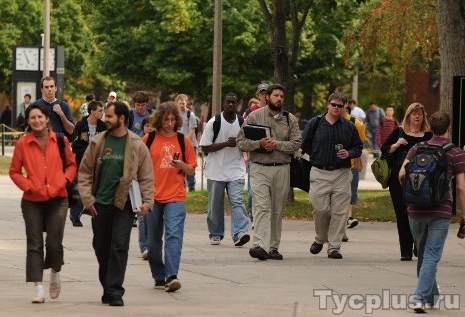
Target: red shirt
{"points": [[44, 178]]}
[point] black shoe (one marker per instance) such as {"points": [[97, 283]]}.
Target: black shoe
{"points": [[116, 301], [345, 238], [191, 190], [316, 248], [335, 254], [406, 258], [257, 252], [275, 255], [159, 284], [76, 222], [415, 251], [105, 299], [134, 223]]}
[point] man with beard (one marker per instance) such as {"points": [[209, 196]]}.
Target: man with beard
{"points": [[269, 171], [225, 169], [111, 162], [331, 141]]}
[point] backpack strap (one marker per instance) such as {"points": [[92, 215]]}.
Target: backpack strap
{"points": [[188, 117], [217, 125], [182, 145], [61, 148], [286, 114], [150, 139]]}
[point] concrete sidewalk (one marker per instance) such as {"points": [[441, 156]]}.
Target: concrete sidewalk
{"points": [[224, 280]]}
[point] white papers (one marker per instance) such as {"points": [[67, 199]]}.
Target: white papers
{"points": [[135, 195]]}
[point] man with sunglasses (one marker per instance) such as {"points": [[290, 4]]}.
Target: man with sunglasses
{"points": [[331, 141]]}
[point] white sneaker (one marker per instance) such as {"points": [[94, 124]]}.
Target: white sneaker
{"points": [[351, 223], [215, 240]]}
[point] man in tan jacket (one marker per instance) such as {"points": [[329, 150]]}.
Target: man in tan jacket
{"points": [[112, 160]]}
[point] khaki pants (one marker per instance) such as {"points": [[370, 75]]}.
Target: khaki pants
{"points": [[330, 197], [270, 185]]}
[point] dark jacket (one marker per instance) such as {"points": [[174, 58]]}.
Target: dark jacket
{"points": [[81, 137]]}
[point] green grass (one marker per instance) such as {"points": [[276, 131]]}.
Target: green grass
{"points": [[4, 164], [373, 205]]}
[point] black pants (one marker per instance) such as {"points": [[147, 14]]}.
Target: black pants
{"points": [[403, 227], [112, 231]]}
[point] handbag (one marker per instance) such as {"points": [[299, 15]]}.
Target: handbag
{"points": [[381, 171], [300, 171]]}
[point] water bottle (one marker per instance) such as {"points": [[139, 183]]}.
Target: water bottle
{"points": [[461, 233], [338, 147]]}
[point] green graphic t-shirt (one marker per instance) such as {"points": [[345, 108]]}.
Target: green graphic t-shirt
{"points": [[111, 169]]}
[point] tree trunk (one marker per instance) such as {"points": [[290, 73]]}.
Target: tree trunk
{"points": [[451, 35]]}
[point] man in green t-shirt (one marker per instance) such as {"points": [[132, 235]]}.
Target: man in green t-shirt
{"points": [[111, 162]]}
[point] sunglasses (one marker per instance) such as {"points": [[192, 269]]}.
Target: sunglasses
{"points": [[340, 106]]}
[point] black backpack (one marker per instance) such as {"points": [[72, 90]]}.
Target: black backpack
{"points": [[426, 182], [217, 125]]}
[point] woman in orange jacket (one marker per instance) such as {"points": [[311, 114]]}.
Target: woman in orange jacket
{"points": [[44, 203]]}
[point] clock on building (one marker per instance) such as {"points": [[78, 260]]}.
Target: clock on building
{"points": [[27, 58]]}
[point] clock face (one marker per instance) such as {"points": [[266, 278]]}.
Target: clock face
{"points": [[51, 59], [27, 58]]}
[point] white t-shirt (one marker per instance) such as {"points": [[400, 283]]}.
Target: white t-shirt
{"points": [[358, 113], [227, 164]]}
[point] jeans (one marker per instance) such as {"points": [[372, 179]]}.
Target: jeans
{"points": [[168, 218], [75, 210], [48, 216], [430, 234], [215, 217], [354, 186], [142, 226], [112, 231], [373, 141], [190, 179]]}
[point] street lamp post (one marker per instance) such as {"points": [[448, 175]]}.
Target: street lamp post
{"points": [[217, 58]]}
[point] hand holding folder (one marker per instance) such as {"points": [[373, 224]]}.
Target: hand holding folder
{"points": [[257, 132]]}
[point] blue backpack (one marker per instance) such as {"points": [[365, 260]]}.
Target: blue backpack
{"points": [[426, 182]]}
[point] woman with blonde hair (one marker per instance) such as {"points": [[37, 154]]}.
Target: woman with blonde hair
{"points": [[415, 128]]}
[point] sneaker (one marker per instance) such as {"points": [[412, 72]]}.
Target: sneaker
{"points": [[419, 308], [351, 223], [145, 254], [258, 252], [172, 284], [191, 189], [159, 284], [345, 238], [241, 239], [275, 255], [215, 240], [76, 222], [54, 285]]}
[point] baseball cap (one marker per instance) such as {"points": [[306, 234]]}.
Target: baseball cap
{"points": [[112, 94], [261, 87]]}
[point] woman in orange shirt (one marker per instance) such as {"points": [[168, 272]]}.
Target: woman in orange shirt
{"points": [[44, 204]]}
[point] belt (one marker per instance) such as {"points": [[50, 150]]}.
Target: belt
{"points": [[270, 164], [327, 168]]}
